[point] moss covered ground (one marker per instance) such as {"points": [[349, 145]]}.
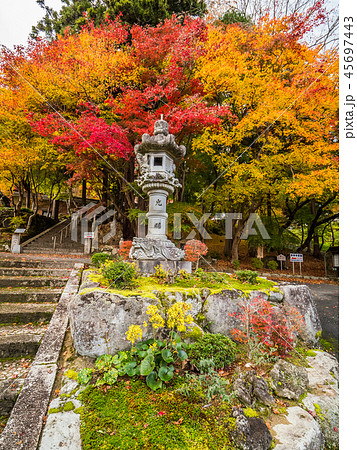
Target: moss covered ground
{"points": [[131, 416], [145, 286]]}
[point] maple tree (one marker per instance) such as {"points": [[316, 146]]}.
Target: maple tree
{"points": [[255, 106], [93, 94], [280, 139]]}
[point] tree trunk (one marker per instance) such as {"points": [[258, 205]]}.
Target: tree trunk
{"points": [[84, 192], [316, 246], [55, 209]]}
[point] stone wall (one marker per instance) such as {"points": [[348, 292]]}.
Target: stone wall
{"points": [[99, 319]]}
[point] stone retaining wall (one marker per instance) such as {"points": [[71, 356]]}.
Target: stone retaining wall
{"points": [[99, 319]]}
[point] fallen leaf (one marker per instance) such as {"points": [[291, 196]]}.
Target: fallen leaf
{"points": [[178, 422]]}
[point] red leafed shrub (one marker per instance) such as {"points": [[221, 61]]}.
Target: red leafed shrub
{"points": [[194, 249], [270, 329], [124, 249]]}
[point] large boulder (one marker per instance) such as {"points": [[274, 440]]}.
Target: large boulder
{"points": [[323, 401], [99, 321], [218, 308], [249, 433], [323, 370], [300, 298], [299, 431], [288, 380], [324, 407]]}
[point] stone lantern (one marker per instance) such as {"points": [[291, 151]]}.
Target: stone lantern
{"points": [[157, 156]]}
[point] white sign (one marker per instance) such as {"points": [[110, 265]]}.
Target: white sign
{"points": [[89, 235], [281, 258], [20, 230], [296, 257]]}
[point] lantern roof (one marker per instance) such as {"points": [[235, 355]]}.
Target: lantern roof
{"points": [[161, 142]]}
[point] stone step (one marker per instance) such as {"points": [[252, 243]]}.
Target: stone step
{"points": [[56, 282], [58, 251], [26, 312], [13, 372], [12, 346], [30, 272], [29, 295], [41, 260], [9, 390], [20, 340]]}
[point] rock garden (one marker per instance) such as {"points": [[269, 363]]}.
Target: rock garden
{"points": [[203, 360]]}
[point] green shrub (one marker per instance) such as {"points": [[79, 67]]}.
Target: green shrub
{"points": [[236, 264], [100, 258], [220, 348], [119, 273], [257, 263], [247, 276], [209, 277], [207, 385], [273, 265]]}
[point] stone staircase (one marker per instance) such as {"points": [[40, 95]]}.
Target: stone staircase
{"points": [[29, 292], [56, 240]]}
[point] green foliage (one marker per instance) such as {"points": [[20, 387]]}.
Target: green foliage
{"points": [[71, 374], [75, 13], [85, 376], [209, 277], [257, 263], [234, 16], [218, 347], [152, 359], [119, 273], [236, 264], [99, 258], [246, 276], [163, 276], [155, 359], [207, 385], [273, 265], [69, 406], [250, 412]]}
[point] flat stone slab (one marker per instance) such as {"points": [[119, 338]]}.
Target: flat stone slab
{"points": [[301, 432], [25, 423], [25, 312], [323, 370], [62, 429], [62, 432]]}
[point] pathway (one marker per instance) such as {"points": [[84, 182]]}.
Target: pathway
{"points": [[30, 288]]}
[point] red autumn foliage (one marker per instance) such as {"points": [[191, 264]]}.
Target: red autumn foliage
{"points": [[272, 327], [194, 249], [124, 249]]}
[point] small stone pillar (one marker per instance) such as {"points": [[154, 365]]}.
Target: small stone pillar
{"points": [[16, 239]]}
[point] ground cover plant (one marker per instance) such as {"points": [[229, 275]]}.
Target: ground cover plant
{"points": [[163, 281], [129, 415]]}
